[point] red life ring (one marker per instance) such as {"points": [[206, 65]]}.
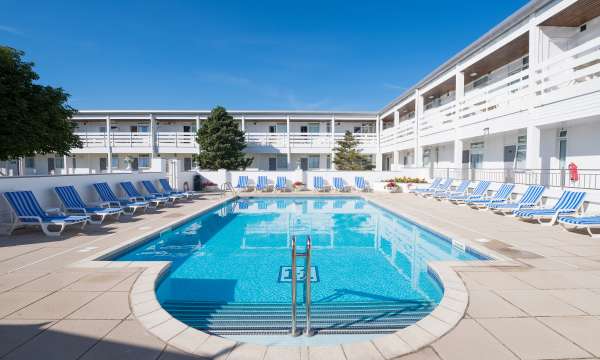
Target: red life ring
{"points": [[573, 172]]}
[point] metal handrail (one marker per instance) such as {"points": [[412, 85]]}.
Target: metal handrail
{"points": [[307, 290]]}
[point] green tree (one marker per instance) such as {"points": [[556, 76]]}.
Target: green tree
{"points": [[221, 143], [35, 118], [347, 155]]}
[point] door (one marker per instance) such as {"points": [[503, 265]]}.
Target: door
{"points": [[134, 164], [304, 164], [272, 164], [103, 164], [51, 165], [510, 152], [466, 155]]}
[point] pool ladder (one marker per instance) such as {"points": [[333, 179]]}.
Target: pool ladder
{"points": [[307, 294]]}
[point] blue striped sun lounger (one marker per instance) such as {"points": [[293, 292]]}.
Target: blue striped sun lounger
{"points": [[153, 191], [74, 205], [242, 184], [319, 184], [443, 187], [569, 203], [461, 189], [428, 189], [281, 184], [338, 184], [586, 222], [27, 211], [108, 196], [135, 195], [262, 184], [477, 194], [169, 190], [360, 183], [530, 198], [500, 196]]}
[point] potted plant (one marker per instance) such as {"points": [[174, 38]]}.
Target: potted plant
{"points": [[392, 186], [298, 186]]}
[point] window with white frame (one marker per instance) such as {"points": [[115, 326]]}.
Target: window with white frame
{"points": [[30, 163], [313, 161], [187, 164], [282, 162], [59, 162], [521, 155], [314, 127], [144, 161], [115, 161]]}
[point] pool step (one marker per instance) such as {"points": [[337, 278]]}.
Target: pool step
{"points": [[275, 319]]}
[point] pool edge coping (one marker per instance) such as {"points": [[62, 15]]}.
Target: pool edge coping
{"points": [[158, 322]]}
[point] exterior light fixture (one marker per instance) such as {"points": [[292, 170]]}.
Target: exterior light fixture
{"points": [[431, 96], [486, 131], [473, 74]]}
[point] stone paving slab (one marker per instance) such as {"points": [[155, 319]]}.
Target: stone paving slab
{"points": [[539, 305]]}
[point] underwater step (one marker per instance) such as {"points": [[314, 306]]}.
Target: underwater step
{"points": [[275, 318]]}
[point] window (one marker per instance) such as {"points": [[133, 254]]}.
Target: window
{"points": [[272, 129], [144, 161], [426, 157], [328, 161], [583, 28], [314, 128], [144, 128], [282, 161], [103, 162], [59, 162], [30, 163], [281, 128], [187, 128], [133, 128], [115, 162], [477, 155], [313, 161], [357, 130], [562, 148], [187, 164], [521, 156]]}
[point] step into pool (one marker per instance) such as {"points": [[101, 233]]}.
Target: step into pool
{"points": [[231, 267]]}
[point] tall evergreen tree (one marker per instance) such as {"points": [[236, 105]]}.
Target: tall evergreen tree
{"points": [[221, 143], [35, 118], [347, 155]]}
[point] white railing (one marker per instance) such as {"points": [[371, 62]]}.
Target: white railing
{"points": [[365, 140], [575, 71], [403, 132], [311, 140], [500, 98], [438, 119], [267, 139], [92, 139], [130, 139], [177, 139]]}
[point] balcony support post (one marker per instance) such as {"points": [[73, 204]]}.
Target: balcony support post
{"points": [[197, 128], [378, 155], [532, 157], [108, 145], [288, 142], [459, 94], [419, 105], [153, 136], [332, 141]]}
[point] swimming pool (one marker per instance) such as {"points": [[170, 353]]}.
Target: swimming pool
{"points": [[231, 273]]}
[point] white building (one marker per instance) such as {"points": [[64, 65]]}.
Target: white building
{"points": [[520, 103]]}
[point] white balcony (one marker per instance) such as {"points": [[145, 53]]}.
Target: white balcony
{"points": [[176, 142], [571, 74], [507, 96], [438, 119], [303, 142], [399, 137]]}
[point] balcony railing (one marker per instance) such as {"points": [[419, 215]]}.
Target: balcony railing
{"points": [[405, 131], [438, 119], [575, 72], [177, 139], [305, 140], [278, 140], [498, 99], [588, 179]]}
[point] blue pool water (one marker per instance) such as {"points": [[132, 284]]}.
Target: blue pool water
{"points": [[360, 251], [240, 253]]}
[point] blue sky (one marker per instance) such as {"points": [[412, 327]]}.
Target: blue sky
{"points": [[304, 55]]}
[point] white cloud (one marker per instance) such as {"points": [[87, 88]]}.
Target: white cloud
{"points": [[10, 30]]}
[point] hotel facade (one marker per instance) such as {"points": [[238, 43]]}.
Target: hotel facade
{"points": [[521, 101]]}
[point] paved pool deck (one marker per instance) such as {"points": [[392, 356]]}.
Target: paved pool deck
{"points": [[544, 305]]}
